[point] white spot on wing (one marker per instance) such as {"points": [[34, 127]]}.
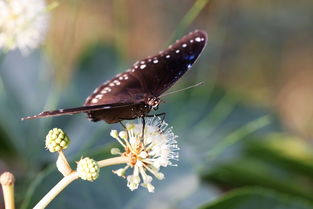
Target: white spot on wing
{"points": [[155, 61], [117, 82], [184, 45], [142, 66], [177, 51], [168, 56], [96, 90], [191, 41], [94, 100], [99, 96], [198, 39]]}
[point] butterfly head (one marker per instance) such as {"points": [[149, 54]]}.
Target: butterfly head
{"points": [[153, 102]]}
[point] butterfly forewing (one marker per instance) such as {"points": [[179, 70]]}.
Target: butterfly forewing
{"points": [[160, 72], [151, 76]]}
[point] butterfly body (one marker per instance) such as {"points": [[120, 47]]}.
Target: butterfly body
{"points": [[135, 92], [118, 114]]}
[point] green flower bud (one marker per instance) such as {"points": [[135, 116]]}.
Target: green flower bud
{"points": [[115, 151], [88, 169], [114, 134], [56, 140], [123, 135]]}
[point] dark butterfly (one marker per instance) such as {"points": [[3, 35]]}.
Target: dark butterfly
{"points": [[135, 92]]}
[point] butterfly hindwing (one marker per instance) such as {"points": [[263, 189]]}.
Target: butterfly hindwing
{"points": [[75, 110]]}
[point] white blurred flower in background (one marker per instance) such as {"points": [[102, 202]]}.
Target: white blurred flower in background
{"points": [[148, 153], [23, 24]]}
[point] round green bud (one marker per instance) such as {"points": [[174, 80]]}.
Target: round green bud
{"points": [[116, 151], [114, 134], [123, 135], [88, 169], [56, 140]]}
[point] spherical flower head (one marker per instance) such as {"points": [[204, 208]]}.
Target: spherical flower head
{"points": [[149, 152], [56, 140], [88, 169], [23, 24]]}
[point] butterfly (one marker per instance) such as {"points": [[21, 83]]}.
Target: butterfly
{"points": [[134, 93]]}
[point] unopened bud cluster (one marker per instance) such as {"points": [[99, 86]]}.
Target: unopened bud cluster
{"points": [[88, 169], [57, 140]]}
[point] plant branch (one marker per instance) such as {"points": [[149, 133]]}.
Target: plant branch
{"points": [[59, 187], [113, 161], [7, 183], [56, 190]]}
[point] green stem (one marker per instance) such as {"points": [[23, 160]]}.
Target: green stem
{"points": [[189, 17], [61, 185], [239, 134]]}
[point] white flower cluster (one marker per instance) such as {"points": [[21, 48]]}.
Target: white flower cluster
{"points": [[147, 153], [23, 24]]}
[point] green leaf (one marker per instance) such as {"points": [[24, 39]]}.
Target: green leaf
{"points": [[257, 198], [289, 152], [6, 147], [254, 172]]}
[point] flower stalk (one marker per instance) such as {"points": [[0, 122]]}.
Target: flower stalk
{"points": [[113, 161], [63, 165], [56, 190], [7, 183], [74, 175]]}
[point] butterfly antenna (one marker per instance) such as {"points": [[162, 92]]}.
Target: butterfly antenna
{"points": [[184, 89]]}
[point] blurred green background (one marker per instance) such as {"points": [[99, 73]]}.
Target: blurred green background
{"points": [[245, 136]]}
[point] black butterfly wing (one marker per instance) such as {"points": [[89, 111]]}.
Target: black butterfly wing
{"points": [[124, 88], [125, 94], [158, 73], [153, 75], [75, 110]]}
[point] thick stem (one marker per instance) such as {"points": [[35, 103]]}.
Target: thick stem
{"points": [[113, 161], [63, 165], [56, 190], [73, 176], [7, 182]]}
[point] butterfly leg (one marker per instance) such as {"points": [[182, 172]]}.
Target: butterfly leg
{"points": [[162, 115], [143, 126], [123, 125]]}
